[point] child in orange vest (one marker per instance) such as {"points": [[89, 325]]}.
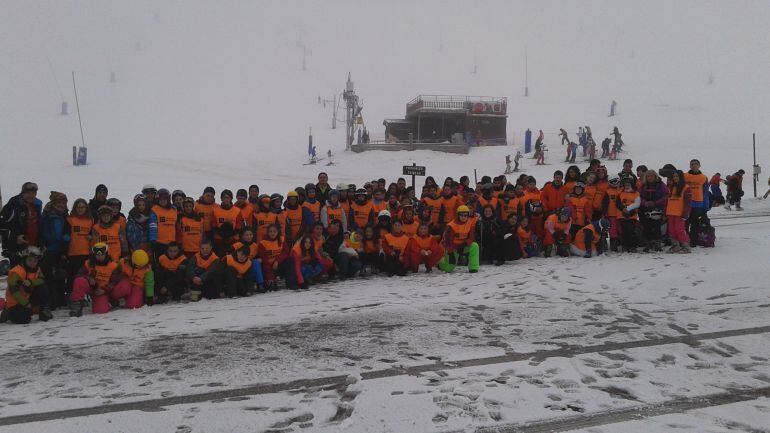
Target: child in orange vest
{"points": [[97, 278], [170, 274], [237, 275], [26, 289], [394, 246], [423, 249], [203, 270], [138, 282], [272, 253]]}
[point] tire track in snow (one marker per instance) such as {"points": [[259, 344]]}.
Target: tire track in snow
{"points": [[628, 414], [337, 381]]}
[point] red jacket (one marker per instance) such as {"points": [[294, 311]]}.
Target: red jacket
{"points": [[552, 197]]}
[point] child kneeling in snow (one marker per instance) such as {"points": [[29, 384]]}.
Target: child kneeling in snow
{"points": [[97, 278], [138, 282]]}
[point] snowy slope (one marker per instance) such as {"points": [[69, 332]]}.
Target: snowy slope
{"points": [[215, 94]]}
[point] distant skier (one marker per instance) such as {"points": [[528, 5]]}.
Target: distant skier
{"points": [[516, 160], [591, 149], [573, 153], [582, 140], [563, 135], [618, 138], [606, 147], [735, 190], [508, 164]]}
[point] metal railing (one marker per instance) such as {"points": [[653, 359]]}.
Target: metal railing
{"points": [[452, 102]]}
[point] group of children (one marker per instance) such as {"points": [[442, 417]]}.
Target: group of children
{"points": [[173, 247]]}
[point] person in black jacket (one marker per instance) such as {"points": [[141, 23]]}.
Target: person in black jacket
{"points": [[20, 222], [100, 199], [345, 265], [487, 235]]}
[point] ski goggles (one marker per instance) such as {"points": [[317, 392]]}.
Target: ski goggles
{"points": [[99, 249]]}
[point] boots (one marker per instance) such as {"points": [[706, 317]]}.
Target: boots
{"points": [[45, 314], [76, 308], [548, 250], [738, 206], [675, 247], [685, 249], [727, 207], [614, 245]]}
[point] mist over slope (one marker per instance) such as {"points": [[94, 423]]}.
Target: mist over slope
{"points": [[214, 93]]}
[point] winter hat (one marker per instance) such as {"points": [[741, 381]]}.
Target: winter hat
{"points": [[104, 209], [58, 197], [101, 188], [241, 193], [510, 187], [334, 192], [163, 192], [29, 186], [226, 193], [352, 187], [177, 193], [566, 212], [209, 190], [309, 187], [531, 179], [741, 172]]}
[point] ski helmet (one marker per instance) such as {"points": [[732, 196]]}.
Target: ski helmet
{"points": [[114, 202], [104, 209], [614, 181], [383, 213], [342, 186], [100, 247], [140, 258], [31, 252], [566, 212]]}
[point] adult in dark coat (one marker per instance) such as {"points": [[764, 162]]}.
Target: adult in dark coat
{"points": [[20, 222]]}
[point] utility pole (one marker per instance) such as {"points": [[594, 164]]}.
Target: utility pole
{"points": [[334, 113], [353, 109], [526, 73], [755, 168]]}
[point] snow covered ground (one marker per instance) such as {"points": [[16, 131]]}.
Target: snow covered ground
{"points": [[541, 339], [214, 95]]}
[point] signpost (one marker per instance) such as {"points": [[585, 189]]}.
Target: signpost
{"points": [[414, 170]]}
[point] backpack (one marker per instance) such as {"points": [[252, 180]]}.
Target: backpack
{"points": [[706, 234]]}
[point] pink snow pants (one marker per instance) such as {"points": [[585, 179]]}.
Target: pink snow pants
{"points": [[676, 230], [133, 295]]}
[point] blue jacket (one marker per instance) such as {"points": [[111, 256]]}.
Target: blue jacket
{"points": [[54, 232]]}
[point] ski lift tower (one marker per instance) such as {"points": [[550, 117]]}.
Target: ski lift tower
{"points": [[353, 112]]}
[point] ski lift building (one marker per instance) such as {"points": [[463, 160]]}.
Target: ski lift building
{"points": [[469, 120]]}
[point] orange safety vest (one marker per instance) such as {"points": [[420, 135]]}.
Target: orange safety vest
{"points": [[424, 243], [191, 234], [524, 235], [80, 230], [627, 198], [121, 221], [206, 213], [508, 208], [590, 192], [293, 220], [135, 275], [272, 249], [601, 190], [205, 263], [397, 243], [21, 272], [333, 213], [435, 205], [222, 215], [110, 236], [410, 229], [166, 224], [696, 182], [612, 206], [240, 268], [558, 226], [450, 205], [580, 239], [263, 220], [675, 205], [484, 202], [170, 264], [253, 249], [460, 232], [361, 213], [580, 204], [314, 208], [246, 212], [378, 207], [345, 206], [102, 274]]}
